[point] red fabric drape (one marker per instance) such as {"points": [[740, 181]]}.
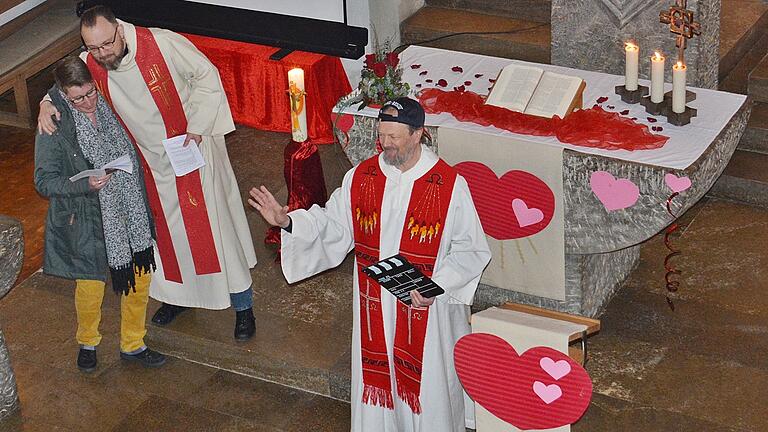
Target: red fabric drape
{"points": [[588, 127], [256, 86], [303, 173]]}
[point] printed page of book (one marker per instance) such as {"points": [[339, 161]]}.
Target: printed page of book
{"points": [[554, 95], [514, 87]]}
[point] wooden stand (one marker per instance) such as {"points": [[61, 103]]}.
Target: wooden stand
{"points": [[680, 119], [631, 96], [577, 348], [654, 108]]}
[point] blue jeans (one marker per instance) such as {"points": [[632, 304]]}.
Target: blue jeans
{"points": [[242, 301]]}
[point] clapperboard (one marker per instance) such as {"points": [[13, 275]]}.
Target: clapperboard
{"points": [[400, 277]]}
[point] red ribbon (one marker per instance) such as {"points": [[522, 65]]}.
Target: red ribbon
{"points": [[591, 127], [671, 285]]}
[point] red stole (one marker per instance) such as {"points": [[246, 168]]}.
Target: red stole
{"points": [[189, 188], [420, 243]]}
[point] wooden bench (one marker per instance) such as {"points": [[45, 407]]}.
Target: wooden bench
{"points": [[32, 47]]}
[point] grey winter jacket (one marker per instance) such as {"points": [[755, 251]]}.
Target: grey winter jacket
{"points": [[74, 237]]}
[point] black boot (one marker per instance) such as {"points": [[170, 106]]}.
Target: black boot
{"points": [[245, 324], [86, 360], [167, 313]]}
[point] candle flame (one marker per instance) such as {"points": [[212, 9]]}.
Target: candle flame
{"points": [[629, 46], [657, 56], [679, 65]]}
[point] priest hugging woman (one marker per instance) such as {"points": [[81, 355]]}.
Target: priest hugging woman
{"points": [[97, 222]]}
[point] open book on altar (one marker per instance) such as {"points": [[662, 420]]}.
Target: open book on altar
{"points": [[532, 90]]}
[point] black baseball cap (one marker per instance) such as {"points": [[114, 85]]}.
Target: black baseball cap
{"points": [[409, 112]]}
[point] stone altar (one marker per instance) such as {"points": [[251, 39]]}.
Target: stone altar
{"points": [[582, 28], [11, 258], [601, 248]]}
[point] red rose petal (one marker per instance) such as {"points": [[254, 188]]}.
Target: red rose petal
{"points": [[491, 80], [634, 118], [422, 73], [415, 66], [660, 128], [457, 69], [651, 120], [601, 99], [467, 83], [478, 75], [460, 88], [625, 112], [442, 83], [418, 85], [611, 107], [429, 80]]}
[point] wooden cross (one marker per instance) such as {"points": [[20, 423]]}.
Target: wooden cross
{"points": [[681, 23]]}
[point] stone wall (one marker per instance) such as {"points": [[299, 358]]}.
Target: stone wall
{"points": [[590, 34]]}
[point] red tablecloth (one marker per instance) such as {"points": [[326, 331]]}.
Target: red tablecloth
{"points": [[256, 86]]}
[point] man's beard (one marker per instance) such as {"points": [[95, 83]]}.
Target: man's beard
{"points": [[114, 61], [400, 157]]}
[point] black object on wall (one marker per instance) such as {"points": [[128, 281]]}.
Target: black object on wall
{"points": [[282, 31]]}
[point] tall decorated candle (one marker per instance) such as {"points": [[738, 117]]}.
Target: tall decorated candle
{"points": [[298, 105], [657, 78], [678, 87], [630, 73]]}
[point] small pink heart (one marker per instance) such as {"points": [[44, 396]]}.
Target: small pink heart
{"points": [[526, 216], [677, 184], [555, 369], [614, 194], [547, 393]]}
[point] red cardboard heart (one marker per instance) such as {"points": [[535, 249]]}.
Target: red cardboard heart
{"points": [[494, 198], [516, 388]]}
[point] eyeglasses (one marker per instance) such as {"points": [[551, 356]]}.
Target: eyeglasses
{"points": [[78, 100], [105, 45]]}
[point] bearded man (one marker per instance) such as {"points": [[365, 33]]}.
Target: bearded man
{"points": [[404, 201], [161, 86]]}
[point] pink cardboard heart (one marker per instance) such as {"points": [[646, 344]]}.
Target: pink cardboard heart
{"points": [[677, 184], [494, 199], [516, 388], [526, 216], [547, 393], [555, 369], [614, 194]]}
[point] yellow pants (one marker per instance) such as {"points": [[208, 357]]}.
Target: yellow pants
{"points": [[133, 312]]}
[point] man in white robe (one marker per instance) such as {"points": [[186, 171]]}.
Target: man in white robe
{"points": [[320, 238], [112, 44]]}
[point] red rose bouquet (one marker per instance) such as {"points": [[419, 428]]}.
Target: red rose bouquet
{"points": [[381, 78]]}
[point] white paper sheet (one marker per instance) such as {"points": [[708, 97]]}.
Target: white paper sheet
{"points": [[685, 145], [122, 163], [184, 160]]}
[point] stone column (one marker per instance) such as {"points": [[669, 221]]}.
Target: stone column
{"points": [[11, 257], [590, 34]]}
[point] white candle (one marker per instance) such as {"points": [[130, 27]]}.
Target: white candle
{"points": [[297, 104], [630, 71], [657, 78], [678, 87]]}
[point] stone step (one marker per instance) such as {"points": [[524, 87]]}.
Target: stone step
{"points": [[745, 179], [742, 24], [755, 137], [530, 42], [737, 80], [533, 10], [758, 81]]}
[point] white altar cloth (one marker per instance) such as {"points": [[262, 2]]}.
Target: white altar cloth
{"points": [[685, 144]]}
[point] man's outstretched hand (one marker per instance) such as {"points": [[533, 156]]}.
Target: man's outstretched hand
{"points": [[418, 300], [263, 201], [45, 123]]}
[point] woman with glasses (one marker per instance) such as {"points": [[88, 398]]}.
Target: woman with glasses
{"points": [[97, 222]]}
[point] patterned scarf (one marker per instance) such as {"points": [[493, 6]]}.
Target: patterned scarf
{"points": [[127, 233]]}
